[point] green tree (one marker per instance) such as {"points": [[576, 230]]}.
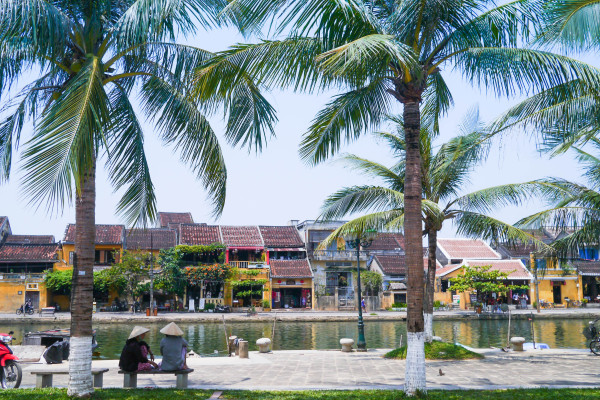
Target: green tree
{"points": [[59, 281], [483, 280], [371, 282], [382, 53], [79, 63], [445, 171], [133, 270], [171, 280]]}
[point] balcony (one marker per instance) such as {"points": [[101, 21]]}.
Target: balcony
{"points": [[338, 255], [17, 277], [248, 264]]}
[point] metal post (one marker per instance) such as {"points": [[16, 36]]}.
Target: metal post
{"points": [[151, 276], [362, 343]]}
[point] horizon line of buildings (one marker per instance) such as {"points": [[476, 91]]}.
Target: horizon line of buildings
{"points": [[299, 275]]}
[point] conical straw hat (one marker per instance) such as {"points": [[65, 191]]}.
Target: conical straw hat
{"points": [[137, 331], [172, 329]]}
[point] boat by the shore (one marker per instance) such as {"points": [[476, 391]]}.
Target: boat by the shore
{"points": [[56, 342]]}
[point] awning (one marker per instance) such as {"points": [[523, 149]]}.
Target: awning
{"points": [[559, 278], [286, 249], [396, 286]]}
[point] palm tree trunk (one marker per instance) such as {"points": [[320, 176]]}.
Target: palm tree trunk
{"points": [[80, 357], [429, 286], [415, 356]]}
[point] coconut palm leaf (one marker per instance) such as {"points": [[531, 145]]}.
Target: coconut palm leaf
{"points": [[481, 226], [127, 162], [180, 123], [63, 146], [572, 24], [349, 114], [374, 170]]}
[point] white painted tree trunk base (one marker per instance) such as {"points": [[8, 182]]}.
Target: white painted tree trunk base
{"points": [[80, 366], [415, 364], [428, 318]]}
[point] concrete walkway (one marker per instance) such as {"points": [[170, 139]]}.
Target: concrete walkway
{"points": [[300, 370], [295, 315]]}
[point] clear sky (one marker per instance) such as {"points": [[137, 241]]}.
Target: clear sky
{"points": [[275, 186]]}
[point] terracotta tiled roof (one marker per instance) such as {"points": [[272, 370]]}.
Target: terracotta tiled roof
{"points": [[31, 253], [515, 268], [392, 264], [466, 249], [167, 218], [587, 268], [34, 239], [290, 269], [281, 236], [199, 234], [426, 264], [241, 236], [150, 239], [105, 234], [388, 241]]}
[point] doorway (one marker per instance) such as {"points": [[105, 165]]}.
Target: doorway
{"points": [[557, 298], [34, 297]]}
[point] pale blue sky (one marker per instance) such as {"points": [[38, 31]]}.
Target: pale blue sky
{"points": [[273, 187]]}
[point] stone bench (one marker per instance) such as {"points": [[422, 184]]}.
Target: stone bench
{"points": [[43, 377], [49, 311], [130, 378]]}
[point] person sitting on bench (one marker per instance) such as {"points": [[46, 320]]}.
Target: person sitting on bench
{"points": [[134, 356], [173, 348]]}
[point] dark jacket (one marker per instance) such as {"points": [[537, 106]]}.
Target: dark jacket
{"points": [[131, 356]]}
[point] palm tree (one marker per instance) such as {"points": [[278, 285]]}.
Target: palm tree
{"points": [[566, 114], [81, 62], [575, 210], [445, 171], [384, 53]]}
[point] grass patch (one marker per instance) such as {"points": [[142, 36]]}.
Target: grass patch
{"points": [[136, 394], [438, 351]]}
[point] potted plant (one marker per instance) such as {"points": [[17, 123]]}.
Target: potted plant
{"points": [[584, 302], [477, 306], [266, 305]]}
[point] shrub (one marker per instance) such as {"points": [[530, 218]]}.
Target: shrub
{"points": [[266, 304], [438, 304], [209, 306], [399, 305], [438, 351]]}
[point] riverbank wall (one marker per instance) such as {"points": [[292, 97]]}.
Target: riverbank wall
{"points": [[295, 316]]}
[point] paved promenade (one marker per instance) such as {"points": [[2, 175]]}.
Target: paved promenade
{"points": [[296, 315], [297, 370]]}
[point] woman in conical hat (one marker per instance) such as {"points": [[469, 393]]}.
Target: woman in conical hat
{"points": [[173, 348], [134, 356]]}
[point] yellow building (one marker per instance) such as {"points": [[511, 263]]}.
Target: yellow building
{"points": [[108, 250], [292, 283], [23, 261], [557, 285], [518, 275]]}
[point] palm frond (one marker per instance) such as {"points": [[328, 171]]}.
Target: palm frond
{"points": [[127, 162], [484, 227], [507, 71], [181, 124], [365, 225], [437, 100], [571, 24], [346, 117], [64, 145], [374, 170], [360, 199]]}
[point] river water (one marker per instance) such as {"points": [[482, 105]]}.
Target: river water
{"points": [[205, 338]]}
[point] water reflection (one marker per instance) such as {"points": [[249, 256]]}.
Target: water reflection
{"points": [[206, 338]]}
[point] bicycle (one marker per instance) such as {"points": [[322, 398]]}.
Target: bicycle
{"points": [[546, 304], [592, 333]]}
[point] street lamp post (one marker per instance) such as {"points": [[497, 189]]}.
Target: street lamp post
{"points": [[357, 244]]}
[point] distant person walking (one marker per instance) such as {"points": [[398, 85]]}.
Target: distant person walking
{"points": [[363, 305]]}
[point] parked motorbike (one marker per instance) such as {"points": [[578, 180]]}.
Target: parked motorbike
{"points": [[25, 308], [222, 308], [10, 370]]}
